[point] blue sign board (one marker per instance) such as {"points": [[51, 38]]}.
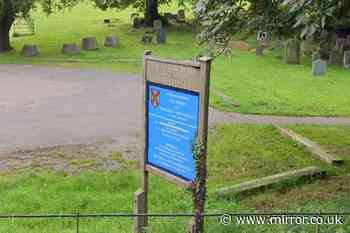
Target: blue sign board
{"points": [[172, 128]]}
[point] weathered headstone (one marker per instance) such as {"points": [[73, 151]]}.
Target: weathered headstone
{"points": [[147, 39], [89, 43], [30, 51], [71, 48], [136, 23], [157, 25], [111, 41], [319, 68], [336, 57], [259, 51], [347, 59], [340, 43], [316, 56], [279, 44], [161, 36], [292, 51]]}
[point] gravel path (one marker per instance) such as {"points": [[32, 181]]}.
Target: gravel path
{"points": [[43, 107]]}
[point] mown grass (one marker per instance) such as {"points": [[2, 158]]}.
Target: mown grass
{"points": [[236, 153], [262, 85]]}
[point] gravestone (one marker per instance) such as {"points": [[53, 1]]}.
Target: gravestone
{"points": [[347, 59], [340, 43], [259, 51], [279, 44], [336, 57], [319, 68], [30, 51], [316, 56], [161, 36], [147, 39], [136, 23], [111, 41], [71, 48], [292, 51], [89, 43], [157, 25], [308, 46]]}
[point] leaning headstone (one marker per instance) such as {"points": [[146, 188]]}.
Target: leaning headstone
{"points": [[147, 39], [71, 48], [157, 25], [136, 23], [30, 51], [292, 51], [89, 43], [259, 51], [161, 36], [316, 56], [111, 41], [347, 59], [319, 68]]}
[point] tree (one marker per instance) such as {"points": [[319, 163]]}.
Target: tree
{"points": [[304, 18], [148, 7], [10, 9]]}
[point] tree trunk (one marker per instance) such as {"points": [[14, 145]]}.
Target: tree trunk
{"points": [[151, 12], [5, 26]]}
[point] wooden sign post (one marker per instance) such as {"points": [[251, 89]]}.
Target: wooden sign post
{"points": [[176, 105]]}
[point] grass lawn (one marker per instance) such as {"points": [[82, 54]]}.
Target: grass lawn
{"points": [[262, 85], [236, 153]]}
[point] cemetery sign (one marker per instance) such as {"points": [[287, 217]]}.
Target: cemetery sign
{"points": [[176, 100]]}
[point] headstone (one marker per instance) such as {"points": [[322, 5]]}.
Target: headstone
{"points": [[30, 51], [71, 48], [340, 43], [316, 56], [147, 39], [111, 41], [136, 23], [259, 51], [89, 43], [161, 36], [279, 44], [347, 59], [292, 51], [308, 46], [319, 68], [336, 57], [157, 25]]}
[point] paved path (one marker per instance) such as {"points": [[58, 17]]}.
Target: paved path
{"points": [[42, 107]]}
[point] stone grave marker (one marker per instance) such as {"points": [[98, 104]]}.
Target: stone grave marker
{"points": [[259, 51], [347, 59], [89, 43], [319, 68], [147, 39], [111, 41], [161, 36], [136, 23], [157, 25], [30, 50], [71, 48], [336, 57], [292, 52]]}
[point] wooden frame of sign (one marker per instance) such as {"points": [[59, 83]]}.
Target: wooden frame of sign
{"points": [[192, 76]]}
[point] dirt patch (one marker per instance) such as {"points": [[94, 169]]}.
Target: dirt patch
{"points": [[106, 155]]}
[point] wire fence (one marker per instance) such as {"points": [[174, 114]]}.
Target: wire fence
{"points": [[222, 217]]}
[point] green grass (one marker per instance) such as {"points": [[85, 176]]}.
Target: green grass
{"points": [[236, 153], [262, 85]]}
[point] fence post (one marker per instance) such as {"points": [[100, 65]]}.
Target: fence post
{"points": [[139, 208]]}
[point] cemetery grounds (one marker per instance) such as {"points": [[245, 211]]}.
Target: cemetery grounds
{"points": [[237, 153]]}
